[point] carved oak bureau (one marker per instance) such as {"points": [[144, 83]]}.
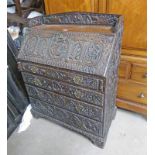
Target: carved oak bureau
{"points": [[69, 64]]}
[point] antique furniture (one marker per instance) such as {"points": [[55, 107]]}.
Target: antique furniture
{"points": [[132, 84], [69, 65]]}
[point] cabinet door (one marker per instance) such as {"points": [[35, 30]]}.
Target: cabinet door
{"points": [[59, 6], [134, 12]]}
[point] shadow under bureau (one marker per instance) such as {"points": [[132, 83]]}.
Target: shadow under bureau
{"points": [[69, 63]]}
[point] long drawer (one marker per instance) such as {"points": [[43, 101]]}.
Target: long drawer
{"points": [[78, 107], [132, 91], [82, 94], [67, 117], [87, 81]]}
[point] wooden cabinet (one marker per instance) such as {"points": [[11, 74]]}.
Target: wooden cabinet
{"points": [[59, 6], [132, 71], [134, 13], [132, 92]]}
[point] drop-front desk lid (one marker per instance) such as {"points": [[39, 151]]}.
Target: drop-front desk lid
{"points": [[83, 48]]}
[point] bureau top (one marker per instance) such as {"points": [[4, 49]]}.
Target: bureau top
{"points": [[83, 48]]}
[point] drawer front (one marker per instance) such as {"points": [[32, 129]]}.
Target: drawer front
{"points": [[132, 91], [69, 118], [67, 103], [64, 89], [139, 73], [88, 81]]}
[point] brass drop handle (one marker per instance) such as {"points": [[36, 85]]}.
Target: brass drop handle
{"points": [[78, 94], [145, 75], [141, 95]]}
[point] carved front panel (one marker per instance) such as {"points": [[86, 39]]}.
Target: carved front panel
{"points": [[70, 104], [69, 118], [74, 78], [78, 51], [64, 89]]}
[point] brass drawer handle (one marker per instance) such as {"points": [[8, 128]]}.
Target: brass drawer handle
{"points": [[78, 94], [141, 95], [145, 75], [77, 79]]}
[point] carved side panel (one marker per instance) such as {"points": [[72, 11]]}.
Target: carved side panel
{"points": [[88, 96], [67, 117], [89, 81], [111, 82], [67, 103]]}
